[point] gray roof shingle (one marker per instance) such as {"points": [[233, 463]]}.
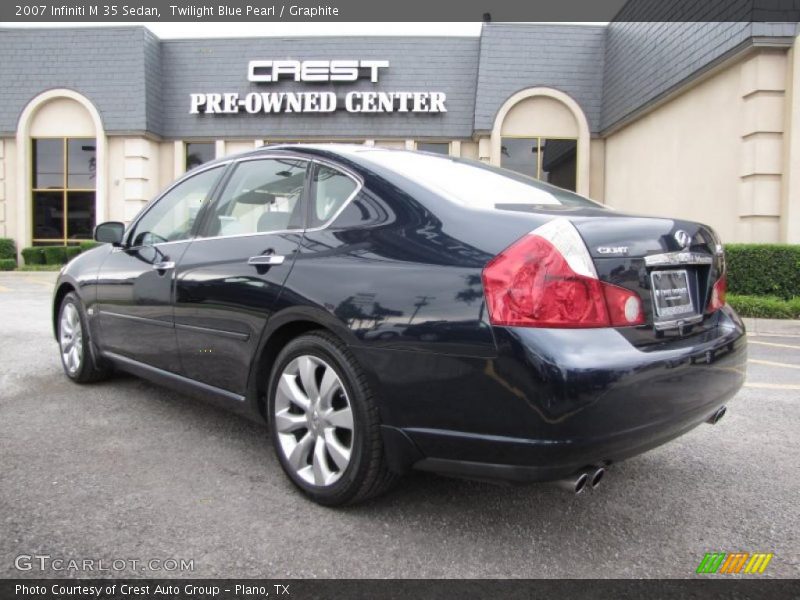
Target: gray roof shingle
{"points": [[416, 64], [104, 64], [516, 56], [140, 83]]}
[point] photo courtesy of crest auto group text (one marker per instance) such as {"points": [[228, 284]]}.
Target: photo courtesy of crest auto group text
{"points": [[479, 298]]}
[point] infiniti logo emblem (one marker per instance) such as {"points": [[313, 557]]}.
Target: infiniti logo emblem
{"points": [[682, 238]]}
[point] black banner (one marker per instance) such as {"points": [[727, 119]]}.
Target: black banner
{"points": [[101, 11], [369, 589]]}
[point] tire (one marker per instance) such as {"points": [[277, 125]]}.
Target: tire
{"points": [[74, 343], [333, 459]]}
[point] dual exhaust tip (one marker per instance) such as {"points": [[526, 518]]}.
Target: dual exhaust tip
{"points": [[591, 477], [582, 479], [717, 416]]}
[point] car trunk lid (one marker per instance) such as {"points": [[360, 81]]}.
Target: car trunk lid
{"points": [[672, 264]]}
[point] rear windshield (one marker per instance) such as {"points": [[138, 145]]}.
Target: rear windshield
{"points": [[474, 183]]}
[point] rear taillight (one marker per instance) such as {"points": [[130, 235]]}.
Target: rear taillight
{"points": [[718, 293], [548, 279]]}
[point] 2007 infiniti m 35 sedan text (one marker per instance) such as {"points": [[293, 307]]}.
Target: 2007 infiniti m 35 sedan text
{"points": [[385, 310]]}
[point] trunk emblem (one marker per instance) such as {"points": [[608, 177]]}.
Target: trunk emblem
{"points": [[612, 250], [683, 238]]}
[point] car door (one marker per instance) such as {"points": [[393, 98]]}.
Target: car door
{"points": [[135, 286], [231, 275]]}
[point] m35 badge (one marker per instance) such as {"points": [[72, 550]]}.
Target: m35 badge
{"points": [[612, 250]]}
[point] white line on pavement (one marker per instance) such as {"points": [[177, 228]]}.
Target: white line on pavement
{"points": [[773, 344], [780, 335], [773, 364], [772, 386]]}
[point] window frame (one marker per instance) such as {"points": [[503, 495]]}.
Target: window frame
{"points": [[64, 190], [448, 144], [305, 198], [225, 180], [312, 191], [540, 154], [201, 217], [186, 144]]}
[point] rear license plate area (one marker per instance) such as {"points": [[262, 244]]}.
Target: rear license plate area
{"points": [[672, 296]]}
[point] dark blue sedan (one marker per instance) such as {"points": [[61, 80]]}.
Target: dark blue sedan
{"points": [[386, 310]]}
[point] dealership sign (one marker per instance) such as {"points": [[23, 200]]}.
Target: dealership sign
{"points": [[315, 71]]}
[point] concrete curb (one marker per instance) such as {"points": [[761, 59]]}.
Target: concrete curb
{"points": [[772, 326]]}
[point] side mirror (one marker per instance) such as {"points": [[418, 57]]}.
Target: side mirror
{"points": [[110, 232]]}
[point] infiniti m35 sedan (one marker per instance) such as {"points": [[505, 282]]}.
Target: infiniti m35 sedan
{"points": [[387, 310]]}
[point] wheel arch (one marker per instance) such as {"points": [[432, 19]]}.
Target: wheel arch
{"points": [[64, 288], [283, 327]]}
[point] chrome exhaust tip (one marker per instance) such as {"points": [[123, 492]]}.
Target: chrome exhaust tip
{"points": [[717, 416], [596, 476], [575, 484]]}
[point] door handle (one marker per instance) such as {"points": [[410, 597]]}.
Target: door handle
{"points": [[266, 259], [163, 266]]}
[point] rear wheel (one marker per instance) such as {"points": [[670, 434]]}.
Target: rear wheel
{"points": [[73, 342], [324, 422]]}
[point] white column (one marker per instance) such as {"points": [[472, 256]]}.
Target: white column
{"points": [[140, 174], [2, 188], [179, 158], [485, 149], [762, 90], [790, 202]]}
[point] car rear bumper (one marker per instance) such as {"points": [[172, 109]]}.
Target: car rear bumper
{"points": [[555, 401], [554, 459]]}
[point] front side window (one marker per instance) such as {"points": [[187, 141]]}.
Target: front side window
{"points": [[262, 196], [172, 217], [63, 189], [553, 160], [198, 153], [332, 188]]}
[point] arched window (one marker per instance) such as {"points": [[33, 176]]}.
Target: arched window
{"points": [[61, 133], [542, 133]]}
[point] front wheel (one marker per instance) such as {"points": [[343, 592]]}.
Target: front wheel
{"points": [[73, 342], [324, 422]]}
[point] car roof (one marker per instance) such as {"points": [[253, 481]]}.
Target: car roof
{"points": [[350, 152], [367, 157], [343, 150]]}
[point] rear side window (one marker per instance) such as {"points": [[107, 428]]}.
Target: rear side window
{"points": [[332, 189], [261, 196]]}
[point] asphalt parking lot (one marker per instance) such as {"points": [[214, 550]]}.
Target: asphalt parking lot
{"points": [[126, 470]]}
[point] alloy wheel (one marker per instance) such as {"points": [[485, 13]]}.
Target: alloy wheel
{"points": [[71, 338], [314, 420]]}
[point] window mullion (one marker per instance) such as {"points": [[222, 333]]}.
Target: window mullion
{"points": [[65, 183], [539, 158]]}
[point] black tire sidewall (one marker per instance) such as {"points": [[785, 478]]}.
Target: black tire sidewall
{"points": [[352, 479]]}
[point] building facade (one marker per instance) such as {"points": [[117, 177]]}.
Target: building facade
{"points": [[693, 120]]}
